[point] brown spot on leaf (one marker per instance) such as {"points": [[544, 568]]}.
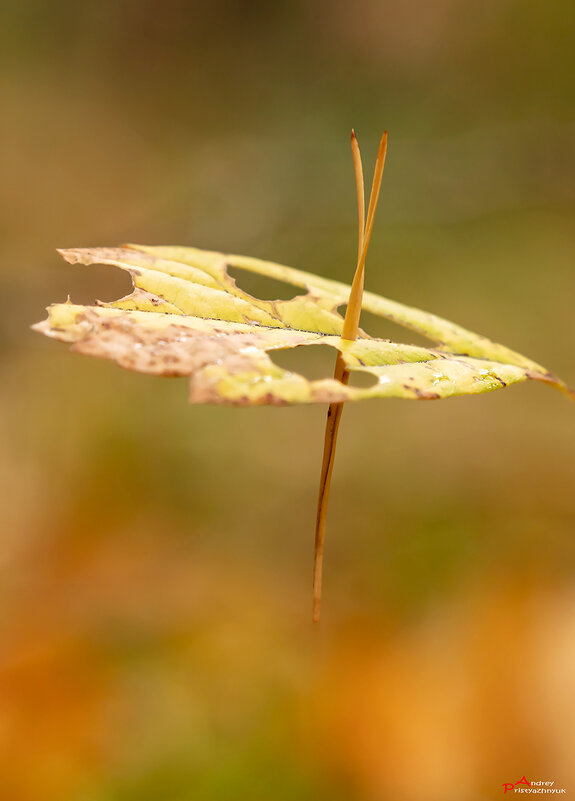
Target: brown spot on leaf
{"points": [[423, 394]]}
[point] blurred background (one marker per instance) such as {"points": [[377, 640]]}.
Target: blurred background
{"points": [[156, 557]]}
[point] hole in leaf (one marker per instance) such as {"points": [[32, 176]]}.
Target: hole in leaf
{"points": [[263, 287], [97, 282], [314, 362], [382, 328], [361, 380]]}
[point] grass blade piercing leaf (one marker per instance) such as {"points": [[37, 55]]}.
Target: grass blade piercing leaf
{"points": [[186, 316]]}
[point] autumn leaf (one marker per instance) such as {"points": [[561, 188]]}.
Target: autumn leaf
{"points": [[187, 317]]}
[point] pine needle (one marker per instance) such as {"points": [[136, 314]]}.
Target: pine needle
{"points": [[349, 332]]}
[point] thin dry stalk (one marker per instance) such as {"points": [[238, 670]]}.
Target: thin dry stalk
{"points": [[349, 332]]}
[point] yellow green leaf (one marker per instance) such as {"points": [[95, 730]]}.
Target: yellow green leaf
{"points": [[187, 317]]}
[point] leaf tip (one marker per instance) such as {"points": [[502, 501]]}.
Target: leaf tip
{"points": [[69, 254]]}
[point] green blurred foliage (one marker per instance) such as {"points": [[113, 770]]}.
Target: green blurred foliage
{"points": [[155, 590]]}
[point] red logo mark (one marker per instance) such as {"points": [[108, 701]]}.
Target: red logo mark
{"points": [[522, 780]]}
